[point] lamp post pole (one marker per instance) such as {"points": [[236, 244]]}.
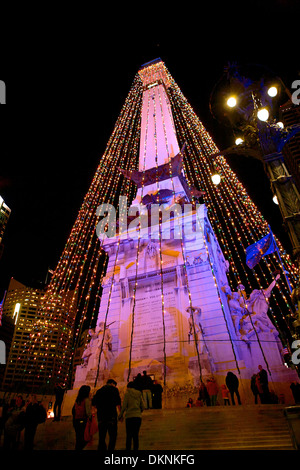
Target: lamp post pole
{"points": [[265, 141], [283, 186]]}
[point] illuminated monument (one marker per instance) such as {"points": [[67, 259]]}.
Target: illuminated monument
{"points": [[167, 306]]}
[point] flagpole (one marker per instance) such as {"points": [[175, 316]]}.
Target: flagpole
{"points": [[282, 265]]}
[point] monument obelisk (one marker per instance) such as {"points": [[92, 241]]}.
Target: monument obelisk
{"points": [[162, 295], [166, 306]]}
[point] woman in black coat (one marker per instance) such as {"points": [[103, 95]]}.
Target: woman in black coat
{"points": [[232, 383]]}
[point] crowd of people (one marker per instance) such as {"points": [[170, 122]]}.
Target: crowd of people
{"points": [[19, 415], [209, 392], [141, 393], [229, 391]]}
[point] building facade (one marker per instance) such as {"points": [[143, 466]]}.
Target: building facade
{"points": [[4, 216], [40, 348], [290, 115], [21, 308]]}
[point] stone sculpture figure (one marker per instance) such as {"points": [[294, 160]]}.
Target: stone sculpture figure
{"points": [[90, 355], [250, 315], [237, 305], [194, 322], [107, 344], [257, 307], [87, 353]]}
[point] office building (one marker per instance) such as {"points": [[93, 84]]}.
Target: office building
{"points": [[4, 216]]}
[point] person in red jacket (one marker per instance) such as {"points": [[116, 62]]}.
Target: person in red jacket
{"points": [[212, 388], [225, 395], [81, 412]]}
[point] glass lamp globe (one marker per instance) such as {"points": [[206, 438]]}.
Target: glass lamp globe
{"points": [[263, 114], [272, 91], [231, 102], [216, 179]]}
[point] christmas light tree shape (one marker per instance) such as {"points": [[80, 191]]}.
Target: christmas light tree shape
{"points": [[79, 274]]}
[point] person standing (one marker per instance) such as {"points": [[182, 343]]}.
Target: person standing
{"points": [[59, 396], [212, 388], [157, 391], [147, 389], [232, 383], [203, 394], [263, 380], [133, 406], [138, 382], [107, 400], [35, 414], [254, 388], [259, 387], [81, 412], [3, 411], [295, 388], [225, 395], [14, 424]]}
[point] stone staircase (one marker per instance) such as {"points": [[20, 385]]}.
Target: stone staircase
{"points": [[246, 427], [250, 427]]}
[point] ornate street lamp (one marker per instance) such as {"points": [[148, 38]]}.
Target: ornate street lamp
{"points": [[247, 105]]}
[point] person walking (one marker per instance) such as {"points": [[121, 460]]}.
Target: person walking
{"points": [[147, 389], [225, 395], [212, 388], [81, 412], [107, 401], [232, 383], [59, 396], [133, 406], [254, 388]]}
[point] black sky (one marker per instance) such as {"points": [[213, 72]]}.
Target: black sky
{"points": [[67, 77]]}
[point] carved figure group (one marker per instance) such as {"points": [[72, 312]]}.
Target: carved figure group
{"points": [[250, 316]]}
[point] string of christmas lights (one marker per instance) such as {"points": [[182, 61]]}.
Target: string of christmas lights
{"points": [[138, 246], [222, 202], [72, 299]]}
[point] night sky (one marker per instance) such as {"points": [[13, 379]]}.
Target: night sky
{"points": [[67, 80]]}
